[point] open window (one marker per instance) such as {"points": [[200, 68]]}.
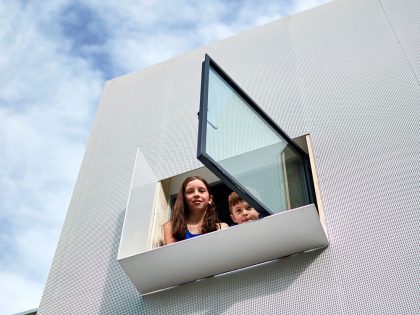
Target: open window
{"points": [[242, 148]]}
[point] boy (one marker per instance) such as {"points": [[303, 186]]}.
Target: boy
{"points": [[240, 210]]}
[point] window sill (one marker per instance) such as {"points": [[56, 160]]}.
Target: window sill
{"points": [[278, 235]]}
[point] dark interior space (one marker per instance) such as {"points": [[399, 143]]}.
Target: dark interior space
{"points": [[221, 193]]}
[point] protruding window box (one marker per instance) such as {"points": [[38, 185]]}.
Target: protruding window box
{"points": [[153, 267], [239, 246], [275, 174]]}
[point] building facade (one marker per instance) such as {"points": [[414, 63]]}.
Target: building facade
{"points": [[348, 74]]}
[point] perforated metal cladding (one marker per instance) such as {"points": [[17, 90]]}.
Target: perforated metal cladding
{"points": [[405, 22], [343, 73]]}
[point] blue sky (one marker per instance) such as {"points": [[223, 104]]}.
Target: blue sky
{"points": [[55, 57]]}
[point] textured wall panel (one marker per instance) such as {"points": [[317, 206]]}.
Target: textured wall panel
{"points": [[405, 22], [347, 73]]}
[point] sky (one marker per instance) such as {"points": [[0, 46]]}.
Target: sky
{"points": [[55, 57]]}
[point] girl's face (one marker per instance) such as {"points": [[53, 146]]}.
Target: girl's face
{"points": [[197, 196]]}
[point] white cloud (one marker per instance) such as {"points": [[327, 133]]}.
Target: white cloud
{"points": [[14, 284], [302, 5], [52, 74], [47, 101]]}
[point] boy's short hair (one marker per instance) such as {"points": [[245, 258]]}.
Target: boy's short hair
{"points": [[233, 200]]}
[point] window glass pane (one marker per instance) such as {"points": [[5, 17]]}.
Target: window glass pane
{"points": [[251, 151]]}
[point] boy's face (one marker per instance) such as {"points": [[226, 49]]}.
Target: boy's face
{"points": [[242, 212]]}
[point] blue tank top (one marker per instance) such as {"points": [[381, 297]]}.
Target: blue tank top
{"points": [[190, 235]]}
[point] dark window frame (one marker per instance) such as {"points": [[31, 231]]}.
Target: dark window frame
{"points": [[213, 166]]}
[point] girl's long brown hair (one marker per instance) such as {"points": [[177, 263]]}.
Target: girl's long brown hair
{"points": [[181, 213]]}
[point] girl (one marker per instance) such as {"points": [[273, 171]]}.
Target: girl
{"points": [[194, 212]]}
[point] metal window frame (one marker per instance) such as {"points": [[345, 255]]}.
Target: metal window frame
{"points": [[219, 171]]}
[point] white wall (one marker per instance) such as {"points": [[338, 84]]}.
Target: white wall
{"points": [[348, 73]]}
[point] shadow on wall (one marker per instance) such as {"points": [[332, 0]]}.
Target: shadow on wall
{"points": [[213, 295]]}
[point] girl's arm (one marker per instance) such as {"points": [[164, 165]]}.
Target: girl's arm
{"points": [[167, 233]]}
